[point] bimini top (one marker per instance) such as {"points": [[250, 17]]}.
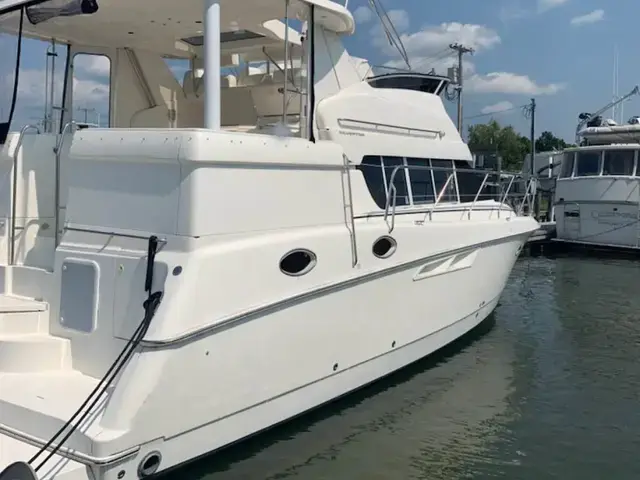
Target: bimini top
{"points": [[157, 25]]}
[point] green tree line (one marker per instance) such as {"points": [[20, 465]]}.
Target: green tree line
{"points": [[510, 145]]}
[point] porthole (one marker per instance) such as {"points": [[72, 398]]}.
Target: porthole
{"points": [[298, 262], [149, 464], [384, 247]]}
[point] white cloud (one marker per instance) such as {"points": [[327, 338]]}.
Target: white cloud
{"points": [[400, 19], [92, 64], [429, 49], [544, 5], [362, 14], [593, 17], [497, 107], [510, 83], [90, 93]]}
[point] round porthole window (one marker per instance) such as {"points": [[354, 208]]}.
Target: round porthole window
{"points": [[298, 262], [149, 464], [384, 247]]}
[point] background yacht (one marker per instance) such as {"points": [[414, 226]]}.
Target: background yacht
{"points": [[265, 232], [597, 196]]}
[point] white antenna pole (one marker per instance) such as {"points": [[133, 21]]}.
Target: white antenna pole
{"points": [[614, 110], [212, 85]]}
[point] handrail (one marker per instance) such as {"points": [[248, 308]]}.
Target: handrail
{"points": [[14, 194], [352, 221], [506, 193], [440, 195], [57, 150], [525, 198], [391, 190]]}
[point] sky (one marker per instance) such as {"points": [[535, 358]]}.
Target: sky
{"points": [[560, 52]]}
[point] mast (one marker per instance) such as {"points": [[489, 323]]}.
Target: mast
{"points": [[212, 64]]}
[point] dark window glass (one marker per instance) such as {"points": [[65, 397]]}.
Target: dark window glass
{"points": [[371, 168], [421, 181], [408, 82], [399, 180], [588, 164], [469, 182], [618, 162], [567, 165], [440, 179]]}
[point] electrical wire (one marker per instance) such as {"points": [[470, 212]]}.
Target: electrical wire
{"points": [[390, 30]]}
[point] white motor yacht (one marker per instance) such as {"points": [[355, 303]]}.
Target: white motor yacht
{"points": [[232, 246], [597, 195]]}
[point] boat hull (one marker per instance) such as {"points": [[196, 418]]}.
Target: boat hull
{"points": [[300, 357]]}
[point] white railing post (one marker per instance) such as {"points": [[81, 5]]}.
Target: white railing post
{"points": [[211, 45], [14, 194]]}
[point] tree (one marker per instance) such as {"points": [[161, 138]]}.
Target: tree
{"points": [[548, 142], [505, 141]]}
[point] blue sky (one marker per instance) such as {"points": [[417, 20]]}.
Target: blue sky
{"points": [[560, 52]]}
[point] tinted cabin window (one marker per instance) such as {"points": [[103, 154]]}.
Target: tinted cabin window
{"points": [[421, 180], [567, 165], [371, 168], [399, 180], [588, 164], [440, 179], [469, 183], [408, 82], [618, 162]]}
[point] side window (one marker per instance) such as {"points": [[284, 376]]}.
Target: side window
{"points": [[567, 165], [468, 182], [373, 173], [421, 180], [440, 176], [91, 89], [618, 162], [399, 180], [588, 164]]}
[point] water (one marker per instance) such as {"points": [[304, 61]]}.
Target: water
{"points": [[548, 388]]}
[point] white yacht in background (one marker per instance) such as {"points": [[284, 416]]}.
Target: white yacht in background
{"points": [[597, 195], [235, 248]]}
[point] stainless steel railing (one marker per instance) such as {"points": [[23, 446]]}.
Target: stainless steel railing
{"points": [[11, 255], [504, 196], [57, 150]]}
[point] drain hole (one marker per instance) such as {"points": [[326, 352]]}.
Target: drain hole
{"points": [[335, 367], [149, 465], [384, 247], [393, 344]]}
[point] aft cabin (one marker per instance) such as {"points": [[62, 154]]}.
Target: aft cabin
{"points": [[276, 75]]}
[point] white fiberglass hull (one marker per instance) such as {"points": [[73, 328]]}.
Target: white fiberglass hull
{"points": [[390, 320]]}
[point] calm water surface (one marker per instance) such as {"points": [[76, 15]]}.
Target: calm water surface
{"points": [[547, 388]]}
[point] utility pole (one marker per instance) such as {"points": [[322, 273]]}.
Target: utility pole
{"points": [[534, 176], [461, 50], [533, 132]]}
